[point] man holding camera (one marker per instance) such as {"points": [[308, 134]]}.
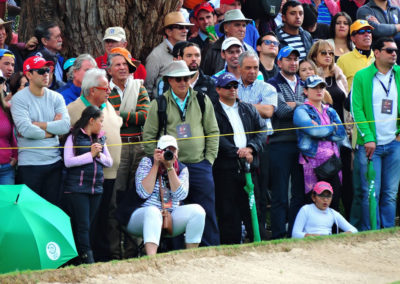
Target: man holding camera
{"points": [[190, 117]]}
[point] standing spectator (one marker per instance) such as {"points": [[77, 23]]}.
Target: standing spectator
{"points": [[130, 101], [351, 7], [318, 144], [375, 100], [230, 51], [7, 63], [8, 157], [268, 47], [72, 90], [204, 16], [189, 115], [264, 98], [339, 33], [175, 29], [251, 33], [361, 56], [6, 36], [116, 37], [40, 116], [326, 9], [284, 154], [291, 33], [95, 92], [317, 30], [84, 181], [241, 119], [49, 38], [18, 81]]}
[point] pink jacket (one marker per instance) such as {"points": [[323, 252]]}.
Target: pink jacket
{"points": [[333, 6]]}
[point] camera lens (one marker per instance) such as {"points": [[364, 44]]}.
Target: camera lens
{"points": [[168, 155]]}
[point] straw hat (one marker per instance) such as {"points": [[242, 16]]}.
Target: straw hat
{"points": [[175, 18]]}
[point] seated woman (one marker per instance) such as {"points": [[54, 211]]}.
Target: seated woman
{"points": [[146, 220], [320, 129], [317, 219]]}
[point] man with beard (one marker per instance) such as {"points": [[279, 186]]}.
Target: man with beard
{"points": [[200, 82], [284, 153]]}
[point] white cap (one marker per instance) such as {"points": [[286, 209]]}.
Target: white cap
{"points": [[115, 33], [229, 41], [166, 141]]}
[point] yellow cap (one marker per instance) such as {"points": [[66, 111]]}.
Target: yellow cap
{"points": [[358, 25]]}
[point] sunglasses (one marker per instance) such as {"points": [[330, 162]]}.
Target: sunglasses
{"points": [[228, 87], [41, 71], [269, 42], [103, 88], [361, 32], [178, 27], [325, 53], [390, 50], [179, 79]]}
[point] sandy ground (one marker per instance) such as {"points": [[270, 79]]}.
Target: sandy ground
{"points": [[362, 258]]}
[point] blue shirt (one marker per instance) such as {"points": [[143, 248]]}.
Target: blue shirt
{"points": [[70, 92], [324, 16], [181, 104], [259, 92]]}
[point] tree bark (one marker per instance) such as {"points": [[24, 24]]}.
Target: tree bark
{"points": [[83, 22]]}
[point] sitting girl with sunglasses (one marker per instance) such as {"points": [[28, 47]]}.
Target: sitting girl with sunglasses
{"points": [[317, 219]]}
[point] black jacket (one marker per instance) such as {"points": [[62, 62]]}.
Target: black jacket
{"points": [[213, 62], [227, 158]]}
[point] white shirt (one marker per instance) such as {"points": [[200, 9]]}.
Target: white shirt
{"points": [[239, 136], [291, 83], [385, 124], [120, 92]]}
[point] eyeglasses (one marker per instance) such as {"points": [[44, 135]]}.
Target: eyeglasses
{"points": [[103, 88], [179, 79], [178, 27], [390, 50], [325, 53], [228, 87], [269, 42], [361, 32], [41, 71]]}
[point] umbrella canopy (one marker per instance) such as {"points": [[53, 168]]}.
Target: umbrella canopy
{"points": [[34, 234]]}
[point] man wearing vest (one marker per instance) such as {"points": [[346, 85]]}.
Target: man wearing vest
{"points": [[131, 101], [190, 118]]}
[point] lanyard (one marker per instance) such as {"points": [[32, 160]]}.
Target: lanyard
{"points": [[387, 91], [183, 113]]}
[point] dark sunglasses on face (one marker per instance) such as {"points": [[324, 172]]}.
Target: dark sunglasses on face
{"points": [[42, 71], [361, 32], [228, 87], [268, 42], [390, 50], [325, 53], [179, 79], [178, 27]]}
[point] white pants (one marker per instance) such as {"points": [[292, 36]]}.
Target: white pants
{"points": [[189, 219]]}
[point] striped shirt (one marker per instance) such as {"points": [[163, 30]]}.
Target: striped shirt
{"points": [[153, 199], [295, 42], [262, 93], [324, 16]]}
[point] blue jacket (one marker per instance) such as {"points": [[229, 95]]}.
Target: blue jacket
{"points": [[70, 92], [308, 137]]}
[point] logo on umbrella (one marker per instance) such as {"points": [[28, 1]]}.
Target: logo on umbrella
{"points": [[53, 250]]}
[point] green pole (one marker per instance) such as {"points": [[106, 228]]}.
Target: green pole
{"points": [[371, 194], [249, 188]]}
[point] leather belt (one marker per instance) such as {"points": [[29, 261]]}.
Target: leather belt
{"points": [[129, 139]]}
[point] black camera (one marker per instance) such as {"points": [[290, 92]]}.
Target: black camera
{"points": [[168, 155]]}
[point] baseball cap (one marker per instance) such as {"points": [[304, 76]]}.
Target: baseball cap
{"points": [[224, 79], [359, 24], [115, 33], [321, 186], [313, 81], [166, 141], [132, 63], [6, 52], [68, 63], [35, 62], [286, 51], [203, 6], [229, 41], [228, 2]]}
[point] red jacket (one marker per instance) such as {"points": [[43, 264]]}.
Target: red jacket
{"points": [[140, 72]]}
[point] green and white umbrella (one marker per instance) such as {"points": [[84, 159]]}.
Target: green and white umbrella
{"points": [[249, 188], [371, 194], [34, 234]]}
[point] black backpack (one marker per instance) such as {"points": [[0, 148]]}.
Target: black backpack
{"points": [[162, 111], [271, 7]]}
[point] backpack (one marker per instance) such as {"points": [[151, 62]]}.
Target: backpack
{"points": [[162, 111], [271, 7]]}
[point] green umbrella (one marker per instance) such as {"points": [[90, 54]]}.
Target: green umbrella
{"points": [[371, 194], [249, 188], [34, 234]]}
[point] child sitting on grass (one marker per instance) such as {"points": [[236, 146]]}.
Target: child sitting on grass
{"points": [[317, 219]]}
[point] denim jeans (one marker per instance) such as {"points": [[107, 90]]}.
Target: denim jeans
{"points": [[7, 174], [386, 161]]}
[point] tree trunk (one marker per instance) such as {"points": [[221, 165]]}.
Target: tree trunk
{"points": [[83, 22]]}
